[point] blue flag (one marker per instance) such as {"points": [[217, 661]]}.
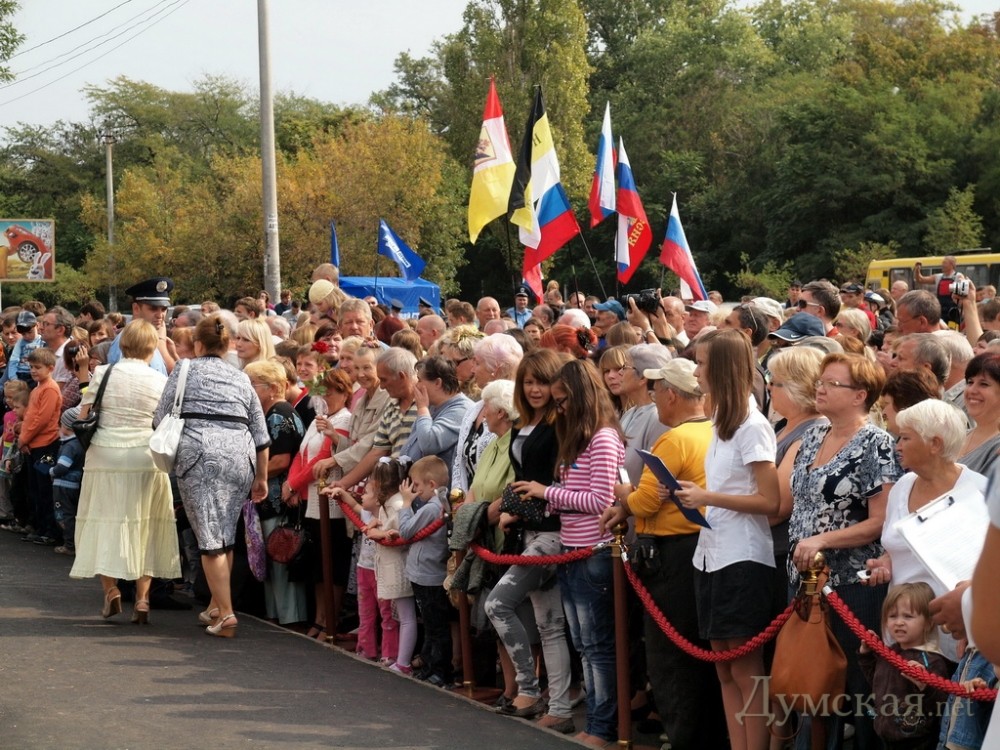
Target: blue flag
{"points": [[334, 247], [391, 246]]}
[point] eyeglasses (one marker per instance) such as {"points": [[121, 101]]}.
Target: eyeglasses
{"points": [[459, 362], [834, 384], [559, 402], [772, 384], [803, 304]]}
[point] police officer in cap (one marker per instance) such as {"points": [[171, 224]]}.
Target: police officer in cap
{"points": [[520, 313], [150, 300]]}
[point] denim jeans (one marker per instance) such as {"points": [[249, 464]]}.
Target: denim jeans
{"points": [[538, 583], [64, 503], [434, 609], [588, 599]]}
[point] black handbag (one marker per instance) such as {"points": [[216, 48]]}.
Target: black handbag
{"points": [[85, 428], [531, 510]]}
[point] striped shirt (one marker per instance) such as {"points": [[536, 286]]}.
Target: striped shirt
{"points": [[394, 428], [586, 490]]}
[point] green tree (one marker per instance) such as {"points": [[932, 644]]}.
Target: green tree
{"points": [[955, 225], [10, 37], [851, 263]]}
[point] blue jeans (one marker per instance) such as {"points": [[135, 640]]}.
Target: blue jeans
{"points": [[589, 603]]}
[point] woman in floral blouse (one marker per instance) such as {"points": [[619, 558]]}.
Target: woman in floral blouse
{"points": [[840, 485]]}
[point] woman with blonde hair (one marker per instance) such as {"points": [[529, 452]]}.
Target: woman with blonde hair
{"points": [[253, 341], [125, 523], [458, 345], [854, 323]]}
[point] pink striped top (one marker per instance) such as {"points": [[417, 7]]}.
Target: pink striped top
{"points": [[586, 490]]}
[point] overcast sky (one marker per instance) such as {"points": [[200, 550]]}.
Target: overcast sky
{"points": [[331, 50]]}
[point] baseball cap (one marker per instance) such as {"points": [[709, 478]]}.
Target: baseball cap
{"points": [[678, 373], [26, 319], [852, 288], [798, 327], [702, 305], [771, 308], [612, 305]]}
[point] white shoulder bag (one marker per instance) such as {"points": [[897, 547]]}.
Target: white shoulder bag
{"points": [[167, 435]]}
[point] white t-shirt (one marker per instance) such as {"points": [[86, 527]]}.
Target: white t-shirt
{"points": [[906, 566], [735, 536]]}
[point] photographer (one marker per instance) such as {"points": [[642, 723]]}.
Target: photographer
{"points": [[944, 288], [645, 313], [76, 359]]}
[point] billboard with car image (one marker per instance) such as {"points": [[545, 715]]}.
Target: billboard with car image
{"points": [[27, 249]]}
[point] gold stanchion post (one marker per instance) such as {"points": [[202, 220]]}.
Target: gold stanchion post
{"points": [[327, 552], [621, 640]]}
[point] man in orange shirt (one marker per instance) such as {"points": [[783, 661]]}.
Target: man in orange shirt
{"points": [[39, 438]]}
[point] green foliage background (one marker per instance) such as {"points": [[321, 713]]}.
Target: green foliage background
{"points": [[801, 137]]}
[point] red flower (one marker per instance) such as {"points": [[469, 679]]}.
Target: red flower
{"points": [[321, 346]]}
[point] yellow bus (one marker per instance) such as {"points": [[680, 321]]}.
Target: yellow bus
{"points": [[981, 266]]}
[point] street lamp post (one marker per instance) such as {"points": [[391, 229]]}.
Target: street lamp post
{"points": [[272, 255], [109, 139]]}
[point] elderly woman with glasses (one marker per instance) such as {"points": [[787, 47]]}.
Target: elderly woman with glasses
{"points": [[495, 357], [841, 480]]}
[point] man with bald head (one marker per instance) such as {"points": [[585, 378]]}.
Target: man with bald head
{"points": [[430, 328], [488, 309], [898, 289]]}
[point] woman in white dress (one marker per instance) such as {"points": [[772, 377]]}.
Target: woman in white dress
{"points": [[125, 524]]}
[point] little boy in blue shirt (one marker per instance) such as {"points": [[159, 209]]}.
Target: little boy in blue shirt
{"points": [[423, 504], [67, 474]]}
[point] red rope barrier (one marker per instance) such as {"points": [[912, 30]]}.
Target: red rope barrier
{"points": [[771, 631], [566, 557], [399, 542], [912, 671]]}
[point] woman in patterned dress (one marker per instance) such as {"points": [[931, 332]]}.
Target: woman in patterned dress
{"points": [[222, 457], [840, 486]]}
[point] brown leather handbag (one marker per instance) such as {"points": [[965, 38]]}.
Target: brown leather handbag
{"points": [[809, 669]]}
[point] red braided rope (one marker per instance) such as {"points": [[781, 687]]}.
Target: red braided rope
{"points": [[398, 542], [689, 648], [912, 671], [566, 557]]}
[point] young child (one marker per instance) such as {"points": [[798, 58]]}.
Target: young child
{"points": [[901, 719], [385, 588], [423, 503], [67, 473], [13, 483], [40, 439], [18, 367], [964, 721]]}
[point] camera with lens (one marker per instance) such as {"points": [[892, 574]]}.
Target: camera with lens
{"points": [[959, 288], [646, 301]]}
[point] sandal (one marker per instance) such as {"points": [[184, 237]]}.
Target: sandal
{"points": [[112, 603], [225, 627], [140, 613], [209, 616]]}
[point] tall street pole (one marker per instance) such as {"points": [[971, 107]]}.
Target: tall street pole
{"points": [[109, 141], [272, 254]]}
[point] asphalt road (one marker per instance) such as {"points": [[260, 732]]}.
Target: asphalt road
{"points": [[69, 679]]}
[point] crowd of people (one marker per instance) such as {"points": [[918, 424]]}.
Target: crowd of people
{"points": [[813, 424]]}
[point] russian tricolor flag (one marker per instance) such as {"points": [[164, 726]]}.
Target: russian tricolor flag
{"points": [[634, 235], [602, 189], [676, 255]]}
